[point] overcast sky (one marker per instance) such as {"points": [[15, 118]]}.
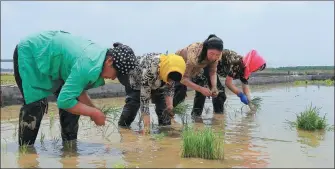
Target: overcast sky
{"points": [[285, 33]]}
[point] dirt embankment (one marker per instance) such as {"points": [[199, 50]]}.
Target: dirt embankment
{"points": [[10, 94]]}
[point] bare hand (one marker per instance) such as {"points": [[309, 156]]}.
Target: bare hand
{"points": [[169, 111], [215, 92], [205, 91], [99, 118]]}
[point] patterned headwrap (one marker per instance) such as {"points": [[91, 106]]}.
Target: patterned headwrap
{"points": [[124, 59]]}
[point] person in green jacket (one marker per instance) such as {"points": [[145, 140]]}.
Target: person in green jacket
{"points": [[59, 63]]}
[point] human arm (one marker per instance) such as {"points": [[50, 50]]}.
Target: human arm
{"points": [[246, 91], [169, 93], [85, 98], [231, 86], [213, 77], [72, 91], [147, 78], [186, 80], [235, 90]]}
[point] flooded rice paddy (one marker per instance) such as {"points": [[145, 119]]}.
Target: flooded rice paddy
{"points": [[259, 140]]}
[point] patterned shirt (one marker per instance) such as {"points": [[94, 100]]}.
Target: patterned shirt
{"points": [[231, 64], [145, 77], [191, 55]]}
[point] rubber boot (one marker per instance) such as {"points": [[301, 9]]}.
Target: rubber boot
{"points": [[131, 107], [69, 125], [218, 102], [30, 121], [198, 104]]}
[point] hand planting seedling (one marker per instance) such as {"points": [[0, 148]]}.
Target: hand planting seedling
{"points": [[202, 144], [111, 112]]}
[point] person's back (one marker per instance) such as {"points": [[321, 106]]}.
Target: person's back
{"points": [[50, 56], [56, 62]]}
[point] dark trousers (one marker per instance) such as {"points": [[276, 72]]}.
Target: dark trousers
{"points": [[31, 115], [132, 105], [199, 99]]}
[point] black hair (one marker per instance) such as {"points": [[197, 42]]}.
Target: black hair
{"points": [[217, 44], [262, 67], [116, 44], [175, 76]]}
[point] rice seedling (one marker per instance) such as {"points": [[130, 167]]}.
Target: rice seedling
{"points": [[119, 165], [23, 149], [181, 110], [202, 144], [310, 120], [159, 136], [68, 145], [328, 82], [55, 140], [42, 138], [4, 146], [111, 113], [15, 131], [300, 82], [255, 103]]}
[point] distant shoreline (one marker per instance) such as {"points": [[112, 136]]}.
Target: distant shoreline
{"points": [[10, 94]]}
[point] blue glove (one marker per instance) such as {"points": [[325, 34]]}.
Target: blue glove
{"points": [[243, 98]]}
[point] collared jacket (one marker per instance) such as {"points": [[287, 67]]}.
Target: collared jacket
{"points": [[50, 58]]}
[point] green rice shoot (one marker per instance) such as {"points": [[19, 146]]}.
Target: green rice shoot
{"points": [[159, 136], [256, 102], [119, 165], [328, 82], [181, 108], [202, 144], [111, 112], [310, 120]]}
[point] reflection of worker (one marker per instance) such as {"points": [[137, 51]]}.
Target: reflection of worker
{"points": [[231, 66], [242, 145], [56, 62], [154, 78]]}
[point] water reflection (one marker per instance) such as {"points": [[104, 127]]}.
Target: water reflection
{"points": [[28, 158], [311, 139]]}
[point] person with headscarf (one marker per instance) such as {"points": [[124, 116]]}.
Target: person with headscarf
{"points": [[59, 63], [154, 79], [231, 66], [197, 56]]}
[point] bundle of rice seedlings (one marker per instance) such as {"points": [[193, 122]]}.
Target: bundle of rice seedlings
{"points": [[201, 144], [111, 112], [310, 120], [181, 108], [255, 103]]}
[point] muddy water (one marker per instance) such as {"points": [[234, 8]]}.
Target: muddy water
{"points": [[260, 140]]}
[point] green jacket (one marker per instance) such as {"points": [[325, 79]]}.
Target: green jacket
{"points": [[48, 58]]}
